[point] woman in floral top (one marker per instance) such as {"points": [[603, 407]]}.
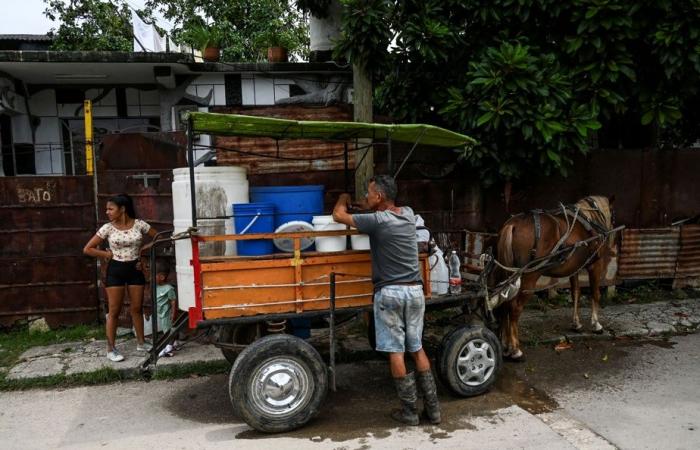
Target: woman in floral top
{"points": [[124, 233]]}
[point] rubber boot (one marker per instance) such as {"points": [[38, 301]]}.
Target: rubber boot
{"points": [[426, 384], [406, 390]]}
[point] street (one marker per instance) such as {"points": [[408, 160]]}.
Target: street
{"points": [[598, 394]]}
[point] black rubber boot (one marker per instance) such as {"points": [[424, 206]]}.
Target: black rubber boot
{"points": [[426, 384], [406, 389]]}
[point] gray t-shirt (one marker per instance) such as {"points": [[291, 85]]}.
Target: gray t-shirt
{"points": [[393, 245]]}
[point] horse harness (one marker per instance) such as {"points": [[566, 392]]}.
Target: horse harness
{"points": [[571, 211]]}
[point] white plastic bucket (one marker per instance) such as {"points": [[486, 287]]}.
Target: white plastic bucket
{"points": [[217, 188], [359, 242], [331, 243]]}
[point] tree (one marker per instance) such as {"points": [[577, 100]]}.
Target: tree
{"points": [[90, 25], [533, 80], [247, 25]]}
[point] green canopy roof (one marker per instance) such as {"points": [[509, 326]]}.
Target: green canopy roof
{"points": [[240, 125]]}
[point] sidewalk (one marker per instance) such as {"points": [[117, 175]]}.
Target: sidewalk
{"points": [[654, 319]]}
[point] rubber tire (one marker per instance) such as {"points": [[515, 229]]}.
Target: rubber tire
{"points": [[450, 348], [228, 334], [261, 352]]}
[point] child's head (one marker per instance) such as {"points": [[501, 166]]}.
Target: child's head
{"points": [[162, 270]]}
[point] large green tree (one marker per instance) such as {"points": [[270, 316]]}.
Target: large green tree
{"points": [[248, 27], [90, 24], [533, 80]]}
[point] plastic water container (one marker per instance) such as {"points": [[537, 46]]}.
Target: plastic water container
{"points": [[439, 273], [292, 203], [331, 243], [252, 218], [217, 189], [359, 242]]}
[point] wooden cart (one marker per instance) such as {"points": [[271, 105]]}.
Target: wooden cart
{"points": [[278, 381]]}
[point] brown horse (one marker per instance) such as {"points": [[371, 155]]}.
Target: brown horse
{"points": [[525, 240]]}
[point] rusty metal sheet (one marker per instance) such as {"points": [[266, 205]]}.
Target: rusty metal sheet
{"points": [[143, 151], [649, 253], [262, 156], [44, 224], [688, 266]]}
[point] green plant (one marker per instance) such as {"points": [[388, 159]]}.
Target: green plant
{"points": [[276, 34], [533, 80], [203, 36]]}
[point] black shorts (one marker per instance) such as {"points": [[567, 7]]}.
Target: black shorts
{"points": [[120, 273]]}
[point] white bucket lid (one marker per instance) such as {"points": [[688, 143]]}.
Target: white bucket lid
{"points": [[287, 245]]}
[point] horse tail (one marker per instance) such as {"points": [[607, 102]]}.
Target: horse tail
{"points": [[505, 245]]}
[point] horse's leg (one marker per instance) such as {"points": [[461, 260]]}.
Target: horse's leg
{"points": [[595, 272], [575, 295], [517, 306]]}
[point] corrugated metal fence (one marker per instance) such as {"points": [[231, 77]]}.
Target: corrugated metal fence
{"points": [[44, 223]]}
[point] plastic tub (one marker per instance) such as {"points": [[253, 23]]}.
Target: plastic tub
{"points": [[251, 218], [286, 245], [331, 243], [359, 242], [292, 203]]}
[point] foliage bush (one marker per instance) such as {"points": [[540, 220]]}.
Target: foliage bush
{"points": [[533, 79]]}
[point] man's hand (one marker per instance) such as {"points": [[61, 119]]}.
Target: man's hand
{"points": [[340, 212]]}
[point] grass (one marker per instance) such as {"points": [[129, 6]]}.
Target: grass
{"points": [[15, 342]]}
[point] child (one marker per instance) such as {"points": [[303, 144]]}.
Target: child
{"points": [[166, 303]]}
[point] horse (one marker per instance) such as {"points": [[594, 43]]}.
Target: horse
{"points": [[557, 244]]}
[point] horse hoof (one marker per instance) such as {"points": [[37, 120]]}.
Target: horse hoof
{"points": [[598, 330], [576, 328], [517, 357]]}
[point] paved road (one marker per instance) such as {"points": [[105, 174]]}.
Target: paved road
{"points": [[603, 394]]}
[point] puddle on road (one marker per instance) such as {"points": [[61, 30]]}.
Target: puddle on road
{"points": [[523, 394]]}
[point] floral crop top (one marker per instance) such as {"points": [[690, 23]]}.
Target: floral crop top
{"points": [[125, 245]]}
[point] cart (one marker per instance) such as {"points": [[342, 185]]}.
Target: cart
{"points": [[278, 381]]}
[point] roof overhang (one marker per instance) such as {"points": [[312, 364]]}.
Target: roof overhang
{"points": [[131, 68]]}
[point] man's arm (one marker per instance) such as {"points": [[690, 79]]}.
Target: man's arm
{"points": [[340, 212]]}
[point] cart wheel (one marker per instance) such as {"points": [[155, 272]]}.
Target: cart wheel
{"points": [[469, 360], [237, 334], [278, 383]]}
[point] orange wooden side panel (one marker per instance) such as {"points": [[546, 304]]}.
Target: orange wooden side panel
{"points": [[253, 286]]}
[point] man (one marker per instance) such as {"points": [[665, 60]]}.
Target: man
{"points": [[399, 304]]}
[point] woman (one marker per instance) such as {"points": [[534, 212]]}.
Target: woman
{"points": [[124, 233]]}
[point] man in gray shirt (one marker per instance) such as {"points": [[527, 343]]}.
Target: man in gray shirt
{"points": [[399, 304]]}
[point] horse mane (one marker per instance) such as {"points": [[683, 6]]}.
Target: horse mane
{"points": [[602, 215]]}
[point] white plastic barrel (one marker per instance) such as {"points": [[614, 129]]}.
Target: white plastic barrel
{"points": [[331, 243], [217, 189]]}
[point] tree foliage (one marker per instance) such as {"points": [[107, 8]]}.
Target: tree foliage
{"points": [[247, 26], [533, 79], [90, 25]]}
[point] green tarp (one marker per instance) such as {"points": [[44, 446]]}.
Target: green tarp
{"points": [[240, 125]]}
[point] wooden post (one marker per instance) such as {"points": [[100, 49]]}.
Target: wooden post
{"points": [[362, 112], [89, 154]]}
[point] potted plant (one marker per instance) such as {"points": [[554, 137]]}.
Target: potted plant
{"points": [[276, 40], [206, 38]]}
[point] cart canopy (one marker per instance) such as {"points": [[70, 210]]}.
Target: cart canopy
{"points": [[253, 126]]}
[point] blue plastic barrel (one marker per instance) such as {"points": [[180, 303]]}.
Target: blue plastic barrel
{"points": [[291, 202], [254, 218]]}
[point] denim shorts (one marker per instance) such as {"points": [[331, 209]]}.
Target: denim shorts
{"points": [[398, 318]]}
